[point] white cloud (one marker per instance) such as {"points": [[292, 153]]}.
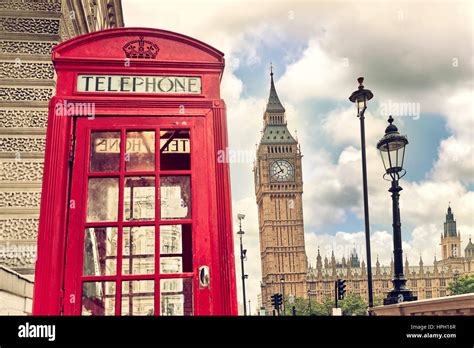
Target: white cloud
{"points": [[343, 127], [456, 153]]}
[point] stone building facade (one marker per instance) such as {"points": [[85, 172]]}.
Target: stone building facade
{"points": [[425, 281], [29, 29]]}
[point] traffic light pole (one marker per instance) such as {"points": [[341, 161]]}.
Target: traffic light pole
{"points": [[335, 292]]}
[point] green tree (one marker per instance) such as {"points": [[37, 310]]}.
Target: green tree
{"points": [[353, 304], [300, 304], [302, 307], [378, 301], [462, 285], [328, 304]]}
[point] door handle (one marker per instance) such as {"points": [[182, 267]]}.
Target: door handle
{"points": [[204, 278]]}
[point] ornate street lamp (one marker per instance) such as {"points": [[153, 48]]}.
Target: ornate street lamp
{"points": [[360, 98], [392, 151]]}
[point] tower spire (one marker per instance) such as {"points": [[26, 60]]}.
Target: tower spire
{"points": [[274, 105]]}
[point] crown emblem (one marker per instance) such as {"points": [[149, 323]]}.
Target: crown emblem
{"points": [[141, 49]]}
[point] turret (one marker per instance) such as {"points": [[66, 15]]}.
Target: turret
{"points": [[421, 270]]}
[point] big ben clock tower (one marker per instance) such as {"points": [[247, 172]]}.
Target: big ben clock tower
{"points": [[279, 189]]}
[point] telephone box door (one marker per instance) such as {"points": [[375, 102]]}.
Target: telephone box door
{"points": [[138, 237]]}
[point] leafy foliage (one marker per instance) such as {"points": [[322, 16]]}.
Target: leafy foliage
{"points": [[351, 305], [462, 285]]}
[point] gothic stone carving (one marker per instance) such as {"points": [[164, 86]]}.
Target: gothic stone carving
{"points": [[26, 47], [22, 144], [19, 229], [24, 94], [21, 171], [20, 199], [15, 118], [29, 25], [31, 5], [18, 255], [22, 70]]}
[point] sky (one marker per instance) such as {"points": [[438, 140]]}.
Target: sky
{"points": [[414, 54]]}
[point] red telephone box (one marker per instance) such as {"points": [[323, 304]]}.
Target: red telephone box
{"points": [[135, 212]]}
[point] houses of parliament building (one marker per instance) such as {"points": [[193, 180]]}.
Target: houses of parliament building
{"points": [[284, 264]]}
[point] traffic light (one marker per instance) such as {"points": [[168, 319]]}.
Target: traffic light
{"points": [[341, 289], [274, 301], [277, 300]]}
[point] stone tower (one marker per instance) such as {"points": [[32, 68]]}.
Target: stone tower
{"points": [[279, 190], [450, 239]]}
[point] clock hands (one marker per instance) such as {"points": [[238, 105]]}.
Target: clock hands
{"points": [[278, 164], [284, 169], [281, 169]]}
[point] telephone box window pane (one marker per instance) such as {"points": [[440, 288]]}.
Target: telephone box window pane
{"points": [[176, 297], [175, 196], [138, 250], [102, 201], [176, 248], [175, 150], [171, 265], [98, 298], [100, 251], [105, 152], [139, 198], [138, 297], [140, 151], [171, 239]]}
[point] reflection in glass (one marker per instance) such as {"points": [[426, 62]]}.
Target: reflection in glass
{"points": [[98, 298], [175, 150], [139, 198], [102, 200], [138, 297], [170, 239], [175, 196], [140, 151], [100, 251], [176, 297], [175, 240], [171, 265], [105, 152], [138, 250]]}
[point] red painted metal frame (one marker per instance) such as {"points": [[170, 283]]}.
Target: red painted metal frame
{"points": [[199, 217], [101, 52]]}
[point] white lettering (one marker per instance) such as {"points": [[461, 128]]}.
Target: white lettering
{"points": [[37, 331]]}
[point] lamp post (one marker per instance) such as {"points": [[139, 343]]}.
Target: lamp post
{"points": [[360, 98], [282, 279], [243, 257], [392, 151], [309, 301]]}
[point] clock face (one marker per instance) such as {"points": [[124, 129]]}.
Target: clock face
{"points": [[282, 170]]}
